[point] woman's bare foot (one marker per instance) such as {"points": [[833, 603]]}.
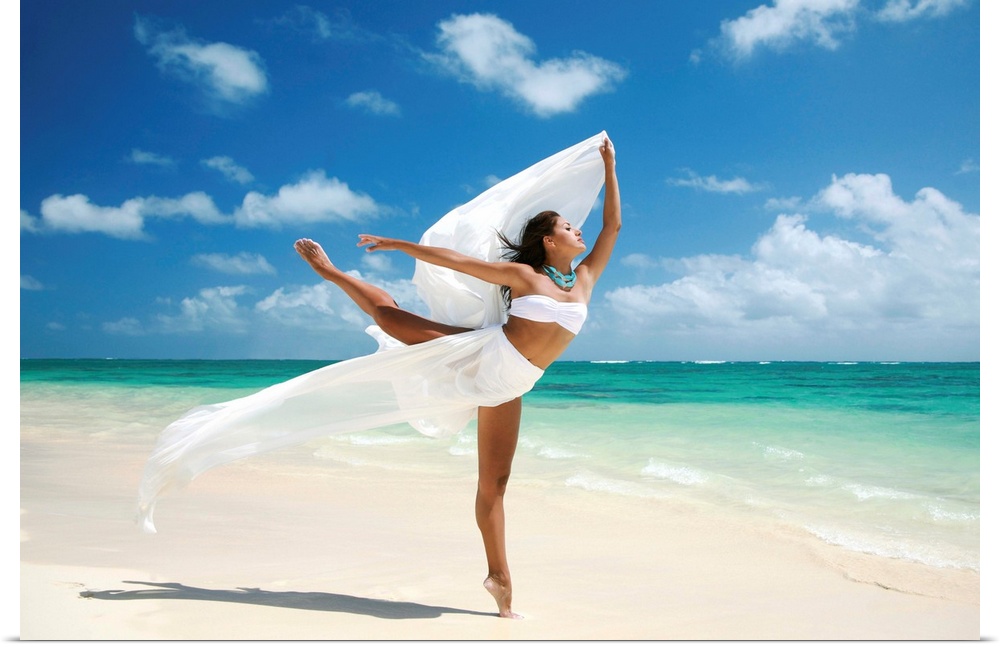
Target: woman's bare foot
{"points": [[502, 594], [313, 253]]}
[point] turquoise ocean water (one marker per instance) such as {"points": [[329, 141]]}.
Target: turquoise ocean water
{"points": [[880, 458]]}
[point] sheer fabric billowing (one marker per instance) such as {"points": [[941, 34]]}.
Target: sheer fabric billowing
{"points": [[436, 386], [568, 182]]}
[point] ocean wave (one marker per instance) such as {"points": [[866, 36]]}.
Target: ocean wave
{"points": [[330, 453], [779, 452], [378, 440], [820, 480], [895, 548], [938, 512], [865, 492], [679, 474], [461, 451], [595, 483], [558, 453]]}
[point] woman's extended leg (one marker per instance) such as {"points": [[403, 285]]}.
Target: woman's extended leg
{"points": [[376, 302], [498, 428]]}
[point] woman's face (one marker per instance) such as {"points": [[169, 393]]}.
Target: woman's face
{"points": [[565, 236]]}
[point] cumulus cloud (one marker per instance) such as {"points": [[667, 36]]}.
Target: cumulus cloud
{"points": [[822, 23], [319, 307], [31, 283], [787, 22], [243, 263], [904, 10], [138, 156], [315, 198], [489, 53], [381, 263], [373, 102], [29, 223], [77, 214], [305, 312], [229, 168], [915, 290], [713, 184], [323, 307], [213, 309], [227, 74]]}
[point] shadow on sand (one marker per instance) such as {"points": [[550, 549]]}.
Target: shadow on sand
{"points": [[308, 600]]}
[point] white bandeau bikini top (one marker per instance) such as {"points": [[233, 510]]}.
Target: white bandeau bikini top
{"points": [[539, 307]]}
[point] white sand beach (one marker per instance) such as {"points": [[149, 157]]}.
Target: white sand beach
{"points": [[279, 547]]}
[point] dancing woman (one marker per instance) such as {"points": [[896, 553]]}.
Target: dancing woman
{"points": [[548, 304], [434, 375]]}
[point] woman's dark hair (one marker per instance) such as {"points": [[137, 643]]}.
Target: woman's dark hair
{"points": [[530, 250]]}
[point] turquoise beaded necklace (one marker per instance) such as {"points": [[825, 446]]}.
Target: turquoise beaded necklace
{"points": [[564, 281]]}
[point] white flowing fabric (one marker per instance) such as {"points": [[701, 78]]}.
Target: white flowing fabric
{"points": [[436, 386]]}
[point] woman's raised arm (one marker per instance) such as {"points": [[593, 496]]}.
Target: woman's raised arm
{"points": [[600, 253]]}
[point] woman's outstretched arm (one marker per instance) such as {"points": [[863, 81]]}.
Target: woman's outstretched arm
{"points": [[512, 274], [600, 253]]}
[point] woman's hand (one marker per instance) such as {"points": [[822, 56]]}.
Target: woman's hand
{"points": [[607, 152], [377, 243]]}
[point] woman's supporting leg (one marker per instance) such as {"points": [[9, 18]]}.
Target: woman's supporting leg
{"points": [[498, 428], [376, 302]]}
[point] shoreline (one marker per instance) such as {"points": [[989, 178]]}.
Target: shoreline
{"points": [[280, 547]]}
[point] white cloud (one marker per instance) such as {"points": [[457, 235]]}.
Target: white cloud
{"points": [[315, 198], [317, 307], [968, 166], [903, 10], [822, 23], [381, 263], [913, 293], [307, 19], [214, 309], [229, 168], [31, 283], [373, 102], [226, 73], [488, 52], [138, 156], [242, 263], [324, 306], [29, 223], [713, 184], [789, 21], [303, 310], [76, 214], [320, 25], [125, 326], [640, 261], [783, 204]]}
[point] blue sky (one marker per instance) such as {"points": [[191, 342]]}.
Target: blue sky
{"points": [[800, 180]]}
